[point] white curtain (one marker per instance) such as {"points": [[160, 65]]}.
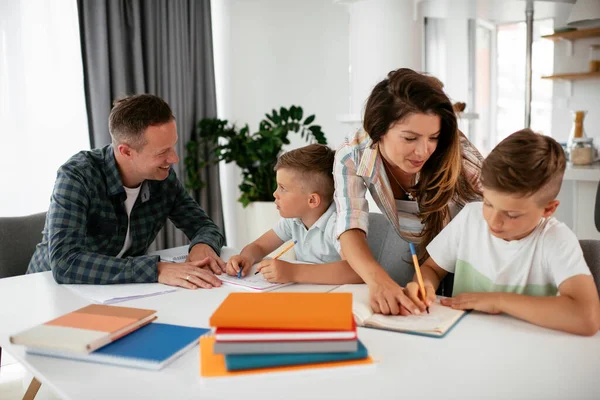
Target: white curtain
{"points": [[43, 118]]}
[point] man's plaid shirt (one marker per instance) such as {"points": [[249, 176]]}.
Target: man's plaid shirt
{"points": [[87, 223]]}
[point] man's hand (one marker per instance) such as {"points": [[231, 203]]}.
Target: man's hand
{"points": [[387, 297], [189, 275], [414, 294], [484, 302], [276, 271], [236, 262], [202, 251]]}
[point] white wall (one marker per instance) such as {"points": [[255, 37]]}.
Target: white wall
{"points": [[272, 53]]}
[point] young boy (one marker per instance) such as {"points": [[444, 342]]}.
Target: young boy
{"points": [[304, 198], [508, 254]]}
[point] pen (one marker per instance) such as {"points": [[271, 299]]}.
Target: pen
{"points": [[240, 272], [282, 252], [418, 271]]}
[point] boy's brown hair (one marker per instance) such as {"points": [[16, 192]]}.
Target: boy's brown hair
{"points": [[525, 163], [131, 116], [315, 164]]}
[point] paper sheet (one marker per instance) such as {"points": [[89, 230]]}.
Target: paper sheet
{"points": [[110, 294]]}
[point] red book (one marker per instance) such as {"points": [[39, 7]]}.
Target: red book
{"points": [[275, 335]]}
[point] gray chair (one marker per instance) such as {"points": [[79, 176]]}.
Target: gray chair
{"points": [[389, 249], [591, 253], [597, 209], [18, 238], [393, 254]]}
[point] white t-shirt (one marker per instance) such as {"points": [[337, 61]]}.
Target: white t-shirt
{"points": [[318, 244], [535, 265], [132, 195]]}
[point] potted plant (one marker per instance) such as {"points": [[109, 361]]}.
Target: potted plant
{"points": [[254, 153]]}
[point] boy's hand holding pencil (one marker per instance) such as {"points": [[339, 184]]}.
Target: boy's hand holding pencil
{"points": [[413, 292], [419, 286], [238, 265]]}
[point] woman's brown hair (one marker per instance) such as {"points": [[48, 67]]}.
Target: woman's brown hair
{"points": [[405, 92]]}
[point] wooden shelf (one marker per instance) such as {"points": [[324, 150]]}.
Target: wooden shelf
{"points": [[574, 76], [574, 35]]}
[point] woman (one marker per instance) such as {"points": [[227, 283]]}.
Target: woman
{"points": [[417, 166]]}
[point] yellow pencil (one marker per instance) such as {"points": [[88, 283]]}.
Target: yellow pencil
{"points": [[418, 271], [282, 252]]}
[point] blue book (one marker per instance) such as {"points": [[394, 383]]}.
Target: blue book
{"points": [[235, 362], [150, 347]]}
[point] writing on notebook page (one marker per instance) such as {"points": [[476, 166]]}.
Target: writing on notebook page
{"points": [[251, 282]]}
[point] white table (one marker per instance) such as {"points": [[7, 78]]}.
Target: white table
{"points": [[484, 357]]}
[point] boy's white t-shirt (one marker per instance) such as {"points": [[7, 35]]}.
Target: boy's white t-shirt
{"points": [[319, 244], [535, 265]]}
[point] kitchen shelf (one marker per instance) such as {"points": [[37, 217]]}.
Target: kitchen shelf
{"points": [[570, 36], [574, 35], [574, 76]]}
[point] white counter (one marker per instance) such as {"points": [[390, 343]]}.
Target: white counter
{"points": [[589, 173], [578, 199]]}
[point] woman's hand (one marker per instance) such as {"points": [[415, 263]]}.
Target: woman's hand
{"points": [[387, 297]]}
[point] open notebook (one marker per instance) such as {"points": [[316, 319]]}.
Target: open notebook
{"points": [[435, 324], [255, 283]]}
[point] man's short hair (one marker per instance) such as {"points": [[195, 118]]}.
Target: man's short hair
{"points": [[131, 116], [525, 163], [314, 163]]}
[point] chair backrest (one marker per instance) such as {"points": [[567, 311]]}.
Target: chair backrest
{"points": [[597, 209], [389, 249], [591, 253], [18, 238]]}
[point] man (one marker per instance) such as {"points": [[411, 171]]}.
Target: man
{"points": [[109, 204]]}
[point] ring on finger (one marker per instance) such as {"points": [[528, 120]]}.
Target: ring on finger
{"points": [[187, 278]]}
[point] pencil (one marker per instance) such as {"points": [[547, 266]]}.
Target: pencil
{"points": [[418, 271], [282, 252]]}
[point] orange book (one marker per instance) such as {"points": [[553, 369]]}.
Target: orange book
{"points": [[213, 365], [86, 329], [302, 311]]}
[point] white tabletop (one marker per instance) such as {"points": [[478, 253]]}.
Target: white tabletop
{"points": [[491, 357]]}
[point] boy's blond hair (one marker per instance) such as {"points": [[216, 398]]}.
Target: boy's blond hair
{"points": [[314, 163], [525, 163]]}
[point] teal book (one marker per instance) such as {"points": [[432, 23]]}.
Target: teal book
{"points": [[236, 362], [151, 347]]}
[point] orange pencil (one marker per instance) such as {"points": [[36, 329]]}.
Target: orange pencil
{"points": [[418, 271], [282, 252]]}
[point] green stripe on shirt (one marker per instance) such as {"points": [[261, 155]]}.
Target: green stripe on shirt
{"points": [[469, 280]]}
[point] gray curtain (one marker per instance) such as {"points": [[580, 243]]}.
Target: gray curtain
{"points": [[162, 47]]}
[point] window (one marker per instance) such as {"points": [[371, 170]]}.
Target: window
{"points": [[43, 119], [483, 64]]}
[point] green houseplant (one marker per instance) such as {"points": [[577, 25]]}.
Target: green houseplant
{"points": [[255, 153]]}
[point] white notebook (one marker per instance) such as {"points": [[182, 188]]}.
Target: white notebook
{"points": [[250, 282], [435, 324]]}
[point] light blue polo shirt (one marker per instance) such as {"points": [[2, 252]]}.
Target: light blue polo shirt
{"points": [[318, 244]]}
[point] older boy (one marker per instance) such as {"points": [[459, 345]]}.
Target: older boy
{"points": [[304, 198], [509, 254]]}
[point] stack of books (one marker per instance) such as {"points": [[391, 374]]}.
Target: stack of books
{"points": [[109, 334], [259, 332]]}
